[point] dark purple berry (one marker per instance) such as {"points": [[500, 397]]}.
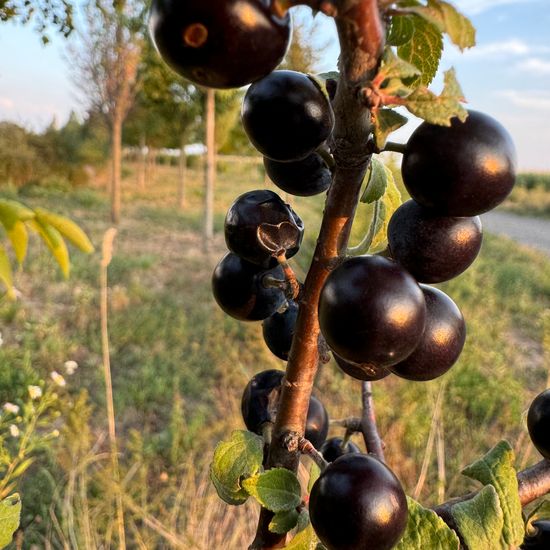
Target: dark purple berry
{"points": [[239, 290], [332, 448], [367, 372], [317, 423], [538, 422], [260, 399], [433, 248], [278, 330], [441, 342]]}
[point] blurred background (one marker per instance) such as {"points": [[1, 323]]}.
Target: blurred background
{"points": [[179, 365]]}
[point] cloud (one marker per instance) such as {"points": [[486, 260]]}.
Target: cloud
{"points": [[474, 7], [513, 46], [532, 100], [535, 65]]}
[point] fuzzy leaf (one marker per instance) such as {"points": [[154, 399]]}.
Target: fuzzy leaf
{"points": [[303, 520], [389, 203], [496, 468], [385, 122], [277, 489], [6, 275], [304, 540], [480, 520], [283, 522], [425, 529], [395, 67], [10, 513], [67, 228], [439, 109], [424, 49], [240, 456], [54, 241], [377, 182]]}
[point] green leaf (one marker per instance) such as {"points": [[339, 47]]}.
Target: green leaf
{"points": [[377, 182], [395, 67], [480, 520], [314, 473], [6, 275], [54, 241], [385, 122], [277, 489], [240, 456], [439, 109], [10, 513], [13, 210], [67, 228], [303, 520], [283, 522], [424, 49], [541, 511], [389, 203], [496, 468], [401, 30], [304, 540], [448, 20], [425, 529]]}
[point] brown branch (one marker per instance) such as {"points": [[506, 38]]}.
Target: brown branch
{"points": [[351, 131], [368, 424]]}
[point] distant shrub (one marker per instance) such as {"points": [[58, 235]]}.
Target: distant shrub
{"points": [[532, 180]]}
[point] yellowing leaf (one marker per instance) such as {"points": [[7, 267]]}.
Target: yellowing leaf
{"points": [[6, 275], [10, 513], [67, 228], [54, 241]]}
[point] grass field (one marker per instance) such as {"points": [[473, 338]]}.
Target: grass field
{"points": [[179, 367]]}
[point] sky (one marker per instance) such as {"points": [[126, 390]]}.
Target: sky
{"points": [[506, 76]]}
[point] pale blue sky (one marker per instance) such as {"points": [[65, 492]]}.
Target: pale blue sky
{"points": [[507, 75]]}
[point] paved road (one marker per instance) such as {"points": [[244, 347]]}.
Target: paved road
{"points": [[530, 231]]}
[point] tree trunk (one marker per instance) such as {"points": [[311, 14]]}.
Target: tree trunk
{"points": [[182, 174], [210, 172], [141, 166], [116, 150]]}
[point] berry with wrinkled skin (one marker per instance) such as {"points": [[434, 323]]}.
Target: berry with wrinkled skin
{"points": [[371, 311], [364, 371], [540, 540], [538, 422], [462, 170], [317, 423], [260, 399], [238, 289], [278, 331], [286, 116], [303, 178], [441, 342], [220, 44], [358, 503], [332, 448], [253, 211], [433, 248]]}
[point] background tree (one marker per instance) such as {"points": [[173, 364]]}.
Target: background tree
{"points": [[107, 62]]}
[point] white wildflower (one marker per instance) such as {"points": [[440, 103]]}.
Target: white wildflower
{"points": [[70, 367], [35, 392], [58, 379], [11, 408], [14, 430]]}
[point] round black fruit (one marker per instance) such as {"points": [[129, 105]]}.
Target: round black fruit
{"points": [[278, 330], [238, 288], [303, 178], [260, 399], [462, 170], [220, 44], [357, 502], [372, 311], [433, 248], [538, 422], [317, 423], [540, 539], [441, 342], [367, 372], [286, 116], [260, 225], [332, 448]]}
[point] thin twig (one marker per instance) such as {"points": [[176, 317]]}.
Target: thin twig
{"points": [[108, 240], [368, 424], [307, 449]]}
